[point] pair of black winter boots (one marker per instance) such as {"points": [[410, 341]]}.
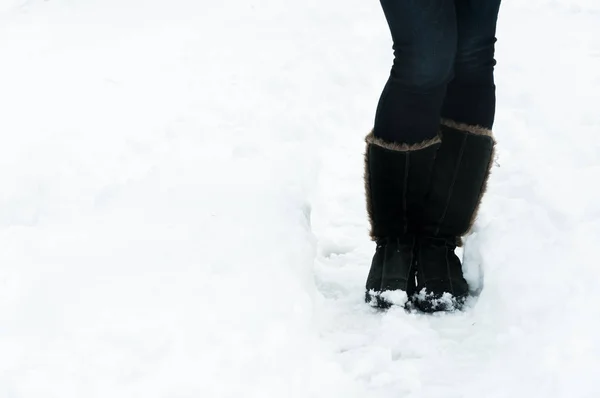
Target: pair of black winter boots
{"points": [[421, 200]]}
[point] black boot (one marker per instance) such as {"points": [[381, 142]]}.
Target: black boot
{"points": [[396, 181], [458, 183]]}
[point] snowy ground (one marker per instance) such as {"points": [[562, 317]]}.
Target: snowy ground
{"points": [[182, 210]]}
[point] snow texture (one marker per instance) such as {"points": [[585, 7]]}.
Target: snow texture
{"points": [[182, 210]]}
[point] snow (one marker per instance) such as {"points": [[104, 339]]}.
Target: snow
{"points": [[182, 210]]}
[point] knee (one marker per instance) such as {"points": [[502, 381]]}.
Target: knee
{"points": [[475, 59], [423, 68]]}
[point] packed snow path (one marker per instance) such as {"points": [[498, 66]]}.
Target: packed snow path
{"points": [[182, 208]]}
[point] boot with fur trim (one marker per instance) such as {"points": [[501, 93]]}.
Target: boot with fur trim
{"points": [[458, 183], [396, 180]]}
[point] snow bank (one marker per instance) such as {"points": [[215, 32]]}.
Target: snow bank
{"points": [[155, 231]]}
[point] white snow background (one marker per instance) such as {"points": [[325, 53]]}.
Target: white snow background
{"points": [[182, 209]]}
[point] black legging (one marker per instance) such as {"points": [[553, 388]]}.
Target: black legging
{"points": [[443, 67]]}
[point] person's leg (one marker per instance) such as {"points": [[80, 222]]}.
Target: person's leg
{"points": [[402, 148], [471, 95], [463, 160], [424, 35]]}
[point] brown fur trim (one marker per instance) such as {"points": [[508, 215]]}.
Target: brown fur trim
{"points": [[483, 188], [393, 146], [368, 194], [477, 130]]}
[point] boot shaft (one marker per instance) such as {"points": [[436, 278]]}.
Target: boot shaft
{"points": [[458, 181], [397, 178]]}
